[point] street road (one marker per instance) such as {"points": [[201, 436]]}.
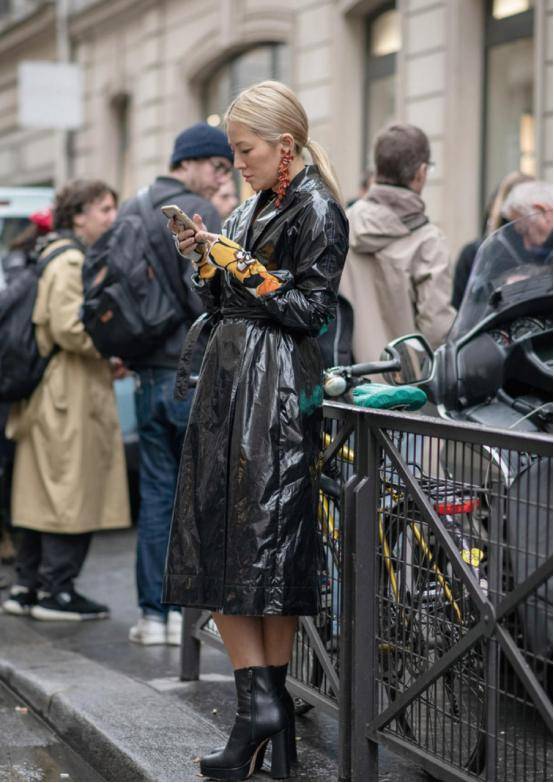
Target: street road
{"points": [[30, 751]]}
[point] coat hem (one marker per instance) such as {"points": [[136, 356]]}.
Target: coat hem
{"points": [[243, 599], [66, 530]]}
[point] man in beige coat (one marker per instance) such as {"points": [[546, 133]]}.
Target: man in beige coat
{"points": [[69, 474], [396, 275]]}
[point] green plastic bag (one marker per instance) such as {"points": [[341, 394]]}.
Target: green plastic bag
{"points": [[382, 396]]}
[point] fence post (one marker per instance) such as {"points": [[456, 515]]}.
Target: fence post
{"points": [[348, 519], [495, 571], [365, 765], [190, 646]]}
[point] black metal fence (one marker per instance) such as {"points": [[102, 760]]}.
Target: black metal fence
{"points": [[435, 631]]}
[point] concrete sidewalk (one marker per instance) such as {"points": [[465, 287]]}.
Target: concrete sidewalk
{"points": [[121, 706]]}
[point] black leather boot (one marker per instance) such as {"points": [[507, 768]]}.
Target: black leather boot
{"points": [[281, 682], [261, 717]]}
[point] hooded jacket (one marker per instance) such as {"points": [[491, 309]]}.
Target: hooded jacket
{"points": [[397, 275]]}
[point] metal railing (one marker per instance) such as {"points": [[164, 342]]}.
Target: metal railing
{"points": [[434, 636]]}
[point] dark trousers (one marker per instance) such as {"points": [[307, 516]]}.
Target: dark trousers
{"points": [[161, 422], [50, 561]]}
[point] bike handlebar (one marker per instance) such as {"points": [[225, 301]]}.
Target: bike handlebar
{"points": [[371, 368]]}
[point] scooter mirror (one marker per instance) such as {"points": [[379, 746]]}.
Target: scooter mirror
{"points": [[416, 360]]}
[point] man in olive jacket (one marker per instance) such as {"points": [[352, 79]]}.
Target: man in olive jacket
{"points": [[69, 473], [397, 275]]}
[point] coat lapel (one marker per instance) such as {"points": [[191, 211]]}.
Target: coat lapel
{"points": [[268, 214]]}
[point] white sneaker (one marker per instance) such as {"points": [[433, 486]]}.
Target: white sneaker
{"points": [[174, 627], [148, 630]]}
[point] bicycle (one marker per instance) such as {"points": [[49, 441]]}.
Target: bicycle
{"points": [[424, 608]]}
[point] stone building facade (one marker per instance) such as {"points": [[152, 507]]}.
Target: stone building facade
{"points": [[476, 75]]}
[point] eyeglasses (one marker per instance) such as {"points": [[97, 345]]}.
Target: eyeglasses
{"points": [[220, 167], [431, 166]]}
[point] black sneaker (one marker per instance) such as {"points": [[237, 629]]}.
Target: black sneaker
{"points": [[20, 600], [67, 606]]}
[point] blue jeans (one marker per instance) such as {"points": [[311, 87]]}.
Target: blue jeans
{"points": [[162, 422]]}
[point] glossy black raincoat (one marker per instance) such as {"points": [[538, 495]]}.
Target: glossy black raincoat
{"points": [[244, 537]]}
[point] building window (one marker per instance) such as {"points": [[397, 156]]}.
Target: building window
{"points": [[121, 113], [384, 40], [267, 61], [509, 143]]}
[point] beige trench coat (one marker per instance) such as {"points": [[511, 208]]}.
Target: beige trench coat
{"points": [[69, 473], [397, 280]]}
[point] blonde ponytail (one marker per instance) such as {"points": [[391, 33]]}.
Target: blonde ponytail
{"points": [[270, 109], [325, 168]]}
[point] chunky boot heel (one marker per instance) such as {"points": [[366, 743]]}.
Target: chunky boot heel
{"points": [[281, 681], [260, 758], [280, 765], [261, 716]]}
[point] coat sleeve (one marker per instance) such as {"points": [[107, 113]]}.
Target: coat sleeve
{"points": [[303, 299], [309, 302], [63, 306], [432, 289]]}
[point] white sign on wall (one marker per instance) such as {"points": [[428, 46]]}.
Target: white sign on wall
{"points": [[50, 95]]}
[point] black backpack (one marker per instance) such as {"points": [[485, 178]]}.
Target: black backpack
{"points": [[21, 365], [129, 306]]}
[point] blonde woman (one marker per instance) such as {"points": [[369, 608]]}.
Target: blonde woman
{"points": [[244, 540]]}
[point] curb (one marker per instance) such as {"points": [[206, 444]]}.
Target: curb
{"points": [[123, 728]]}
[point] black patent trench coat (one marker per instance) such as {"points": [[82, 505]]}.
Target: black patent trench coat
{"points": [[244, 537]]}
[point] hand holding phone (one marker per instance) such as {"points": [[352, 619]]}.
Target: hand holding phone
{"points": [[179, 221], [180, 218]]}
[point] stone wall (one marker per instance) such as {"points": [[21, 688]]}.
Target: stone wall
{"points": [[154, 57]]}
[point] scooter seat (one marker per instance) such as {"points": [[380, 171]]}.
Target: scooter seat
{"points": [[384, 397]]}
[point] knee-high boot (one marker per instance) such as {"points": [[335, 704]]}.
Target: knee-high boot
{"points": [[261, 717]]}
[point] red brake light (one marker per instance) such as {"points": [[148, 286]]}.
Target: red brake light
{"points": [[457, 507]]}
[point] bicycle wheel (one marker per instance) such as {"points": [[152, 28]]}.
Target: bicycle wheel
{"points": [[423, 612]]}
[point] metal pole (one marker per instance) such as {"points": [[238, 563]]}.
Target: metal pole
{"points": [[348, 519], [63, 55], [495, 569], [365, 765], [190, 646]]}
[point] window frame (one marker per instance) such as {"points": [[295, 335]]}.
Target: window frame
{"points": [[498, 32], [374, 68], [230, 62]]}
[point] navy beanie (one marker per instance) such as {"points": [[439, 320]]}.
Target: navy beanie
{"points": [[200, 141]]}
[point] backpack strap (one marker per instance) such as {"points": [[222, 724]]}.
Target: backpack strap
{"points": [[45, 258], [152, 225]]}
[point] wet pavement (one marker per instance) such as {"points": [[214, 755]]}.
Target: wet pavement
{"points": [[108, 577], [30, 750]]}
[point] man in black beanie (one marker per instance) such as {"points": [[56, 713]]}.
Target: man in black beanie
{"points": [[200, 163]]}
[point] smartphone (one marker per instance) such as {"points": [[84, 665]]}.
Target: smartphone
{"points": [[173, 211]]}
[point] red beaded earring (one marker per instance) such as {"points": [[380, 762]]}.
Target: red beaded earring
{"points": [[283, 178]]}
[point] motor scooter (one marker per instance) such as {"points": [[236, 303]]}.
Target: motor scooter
{"points": [[495, 370]]}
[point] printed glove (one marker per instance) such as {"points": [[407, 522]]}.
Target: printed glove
{"points": [[226, 254], [206, 270]]}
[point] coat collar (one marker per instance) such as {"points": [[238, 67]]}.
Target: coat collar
{"points": [[254, 228]]}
